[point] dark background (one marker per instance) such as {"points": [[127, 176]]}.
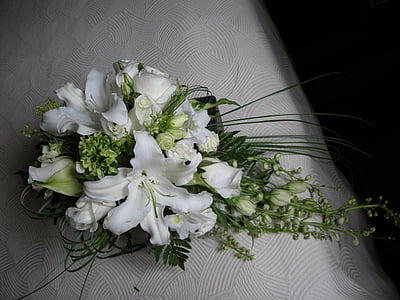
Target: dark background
{"points": [[359, 39]]}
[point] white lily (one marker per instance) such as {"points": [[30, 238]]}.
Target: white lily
{"points": [[149, 187], [87, 112]]}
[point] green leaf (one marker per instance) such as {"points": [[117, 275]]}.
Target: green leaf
{"points": [[219, 102], [157, 252]]}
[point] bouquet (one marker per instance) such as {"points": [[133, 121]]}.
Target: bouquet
{"points": [[137, 160]]}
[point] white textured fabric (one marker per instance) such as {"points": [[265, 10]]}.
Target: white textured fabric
{"points": [[230, 46]]}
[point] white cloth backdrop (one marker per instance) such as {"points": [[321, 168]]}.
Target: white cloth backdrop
{"points": [[230, 46]]}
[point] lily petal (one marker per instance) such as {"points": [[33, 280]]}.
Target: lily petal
{"points": [[155, 225], [64, 119], [117, 113], [73, 96], [148, 155], [180, 199], [97, 91], [109, 188], [130, 213]]}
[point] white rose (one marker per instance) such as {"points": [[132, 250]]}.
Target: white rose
{"points": [[155, 85], [211, 144], [114, 130], [86, 214], [222, 177]]}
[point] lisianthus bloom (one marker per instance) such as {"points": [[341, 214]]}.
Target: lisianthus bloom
{"points": [[222, 177], [88, 112], [148, 188], [196, 123], [86, 214], [193, 223], [211, 144]]}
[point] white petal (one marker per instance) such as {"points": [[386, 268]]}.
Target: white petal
{"points": [[47, 170], [180, 199], [98, 94], [184, 224], [117, 113], [109, 188], [72, 96], [223, 178], [156, 227], [66, 119], [155, 84], [52, 119], [148, 155], [130, 213], [130, 68]]}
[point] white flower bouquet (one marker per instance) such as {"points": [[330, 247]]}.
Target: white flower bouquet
{"points": [[137, 150]]}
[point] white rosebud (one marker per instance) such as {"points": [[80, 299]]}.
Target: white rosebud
{"points": [[178, 120]]}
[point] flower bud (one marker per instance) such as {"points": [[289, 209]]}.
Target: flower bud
{"points": [[177, 133], [64, 182], [178, 120], [295, 187], [280, 197], [126, 89], [245, 205], [128, 79], [165, 140]]}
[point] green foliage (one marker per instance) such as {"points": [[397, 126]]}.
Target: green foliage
{"points": [[235, 148], [175, 253]]}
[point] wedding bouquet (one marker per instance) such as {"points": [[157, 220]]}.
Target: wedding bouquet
{"points": [[137, 150]]}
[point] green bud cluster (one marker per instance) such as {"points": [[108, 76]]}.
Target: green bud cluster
{"points": [[99, 154], [49, 104], [167, 129], [229, 242], [28, 133]]}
